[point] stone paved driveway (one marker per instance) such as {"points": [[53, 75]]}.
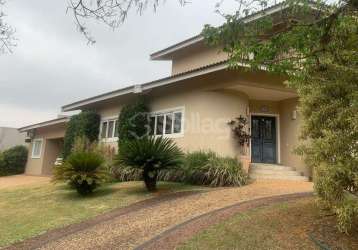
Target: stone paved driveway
{"points": [[135, 227]]}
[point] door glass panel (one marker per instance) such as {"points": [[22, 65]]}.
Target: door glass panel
{"points": [[268, 129], [255, 128]]}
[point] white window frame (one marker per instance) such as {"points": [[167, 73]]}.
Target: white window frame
{"points": [[165, 112], [33, 156], [107, 120]]}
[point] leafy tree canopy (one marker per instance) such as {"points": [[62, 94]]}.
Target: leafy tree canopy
{"points": [[315, 44]]}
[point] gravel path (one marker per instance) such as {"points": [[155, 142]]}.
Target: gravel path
{"points": [[22, 180], [131, 229], [171, 238]]}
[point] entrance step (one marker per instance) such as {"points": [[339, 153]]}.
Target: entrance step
{"points": [[274, 171]]}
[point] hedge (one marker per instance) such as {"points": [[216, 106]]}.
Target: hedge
{"points": [[133, 121], [86, 124], [13, 160]]}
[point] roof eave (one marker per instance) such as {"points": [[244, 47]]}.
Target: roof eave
{"points": [[44, 124], [165, 53], [146, 86]]}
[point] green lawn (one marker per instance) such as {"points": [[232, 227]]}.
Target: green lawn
{"points": [[293, 225], [26, 212]]}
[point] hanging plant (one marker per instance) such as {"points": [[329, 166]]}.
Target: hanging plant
{"points": [[238, 127]]}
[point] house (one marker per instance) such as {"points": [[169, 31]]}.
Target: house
{"points": [[10, 137], [193, 106]]}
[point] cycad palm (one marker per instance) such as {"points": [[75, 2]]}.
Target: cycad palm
{"points": [[151, 154]]}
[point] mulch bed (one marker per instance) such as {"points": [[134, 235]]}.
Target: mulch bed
{"points": [[182, 232]]}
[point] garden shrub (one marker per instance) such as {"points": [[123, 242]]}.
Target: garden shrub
{"points": [[133, 121], [197, 168], [150, 154], [13, 160], [86, 124], [85, 168], [208, 168]]}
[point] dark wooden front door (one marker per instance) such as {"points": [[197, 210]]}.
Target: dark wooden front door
{"points": [[263, 139]]}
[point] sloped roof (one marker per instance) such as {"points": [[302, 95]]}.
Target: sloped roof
{"points": [[164, 54], [134, 89]]}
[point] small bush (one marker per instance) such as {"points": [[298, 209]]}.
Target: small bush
{"points": [[84, 169], [13, 161], [86, 124], [150, 154]]}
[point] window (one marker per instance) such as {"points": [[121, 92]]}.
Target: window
{"points": [[167, 123], [36, 148], [109, 129]]}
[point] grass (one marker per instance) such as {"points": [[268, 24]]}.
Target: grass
{"points": [[291, 225], [30, 211]]}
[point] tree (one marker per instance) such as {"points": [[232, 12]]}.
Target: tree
{"points": [[85, 124], [110, 12], [7, 39], [315, 45]]}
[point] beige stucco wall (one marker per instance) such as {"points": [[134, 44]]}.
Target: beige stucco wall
{"points": [[205, 120], [290, 131], [210, 104], [202, 56], [41, 165]]}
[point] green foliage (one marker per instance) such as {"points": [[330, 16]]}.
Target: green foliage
{"points": [[133, 121], [84, 169], [150, 154], [208, 168], [13, 160], [317, 50], [86, 124], [198, 168]]}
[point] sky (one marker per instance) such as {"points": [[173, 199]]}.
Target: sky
{"points": [[52, 64]]}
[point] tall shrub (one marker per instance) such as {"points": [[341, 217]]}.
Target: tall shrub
{"points": [[86, 124], [13, 160], [133, 121]]}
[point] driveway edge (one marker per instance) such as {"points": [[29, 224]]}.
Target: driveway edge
{"points": [[172, 237], [58, 233]]}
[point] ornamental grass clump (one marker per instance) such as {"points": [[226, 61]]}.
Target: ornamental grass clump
{"points": [[150, 155], [208, 168], [84, 169]]}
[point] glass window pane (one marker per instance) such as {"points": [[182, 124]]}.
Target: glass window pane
{"points": [[104, 130], [36, 152], [160, 121], [169, 124], [152, 125], [177, 122], [116, 128], [110, 129]]}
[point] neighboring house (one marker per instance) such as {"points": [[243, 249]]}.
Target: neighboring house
{"points": [[193, 106], [10, 137]]}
